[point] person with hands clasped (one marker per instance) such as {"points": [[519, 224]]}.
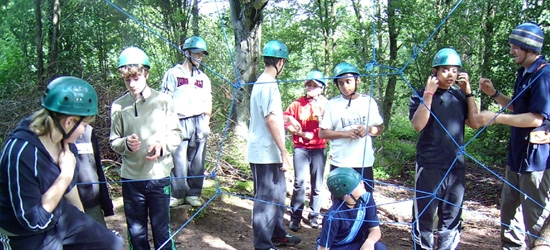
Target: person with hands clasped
{"points": [[145, 131], [267, 154], [349, 122], [437, 149], [40, 207], [528, 146], [309, 150]]}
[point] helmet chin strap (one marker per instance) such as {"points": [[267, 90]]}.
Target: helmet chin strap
{"points": [[58, 125], [192, 61]]}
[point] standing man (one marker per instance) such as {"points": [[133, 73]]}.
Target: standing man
{"points": [[191, 91], [309, 150], [527, 162], [350, 120], [438, 147], [267, 153], [145, 132]]}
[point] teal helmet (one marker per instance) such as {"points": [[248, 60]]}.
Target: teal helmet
{"points": [[133, 56], [344, 68], [275, 49], [195, 44], [446, 57], [70, 95], [342, 181], [318, 77]]}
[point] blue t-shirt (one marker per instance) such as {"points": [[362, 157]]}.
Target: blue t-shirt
{"points": [[339, 227], [534, 98], [439, 141]]}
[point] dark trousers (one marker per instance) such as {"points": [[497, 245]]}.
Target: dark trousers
{"points": [[189, 158], [74, 230], [269, 204], [312, 161], [449, 191], [143, 200], [368, 176]]}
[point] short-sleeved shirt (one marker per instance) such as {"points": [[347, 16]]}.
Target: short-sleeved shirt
{"points": [[346, 152], [265, 99], [533, 98], [342, 222], [439, 142]]}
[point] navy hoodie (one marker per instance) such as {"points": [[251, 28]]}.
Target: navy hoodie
{"points": [[26, 172]]}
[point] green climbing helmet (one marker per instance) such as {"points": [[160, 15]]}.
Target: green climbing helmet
{"points": [[343, 68], [70, 95], [275, 49], [133, 56], [318, 77], [342, 181], [195, 44], [446, 57]]}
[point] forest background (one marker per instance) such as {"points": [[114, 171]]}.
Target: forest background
{"points": [[43, 39]]}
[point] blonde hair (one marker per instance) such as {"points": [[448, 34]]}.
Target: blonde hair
{"points": [[42, 123], [128, 71]]}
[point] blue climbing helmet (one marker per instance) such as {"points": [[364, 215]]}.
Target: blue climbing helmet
{"points": [[446, 57], [275, 49], [342, 181], [318, 77], [527, 36]]}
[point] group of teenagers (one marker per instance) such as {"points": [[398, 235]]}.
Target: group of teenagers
{"points": [[161, 136]]}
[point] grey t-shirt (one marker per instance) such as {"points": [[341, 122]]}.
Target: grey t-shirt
{"points": [[265, 99]]}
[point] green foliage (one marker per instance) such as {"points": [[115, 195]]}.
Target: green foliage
{"points": [[396, 149]]}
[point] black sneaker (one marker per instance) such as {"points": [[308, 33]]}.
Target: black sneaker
{"points": [[271, 248], [288, 240], [294, 225]]}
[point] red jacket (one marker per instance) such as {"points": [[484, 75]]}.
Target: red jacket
{"points": [[308, 114]]}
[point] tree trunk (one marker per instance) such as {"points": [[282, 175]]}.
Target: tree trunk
{"points": [[247, 21], [487, 51], [196, 16], [54, 33], [39, 50], [389, 95]]}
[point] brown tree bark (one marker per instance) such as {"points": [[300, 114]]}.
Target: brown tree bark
{"points": [[246, 17], [41, 85], [51, 68]]}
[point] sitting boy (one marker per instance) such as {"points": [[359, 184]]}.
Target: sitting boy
{"points": [[351, 222]]}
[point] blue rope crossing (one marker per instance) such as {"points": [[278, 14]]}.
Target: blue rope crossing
{"points": [[373, 69]]}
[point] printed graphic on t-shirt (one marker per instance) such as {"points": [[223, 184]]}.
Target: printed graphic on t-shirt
{"points": [[182, 81], [351, 121], [198, 83]]}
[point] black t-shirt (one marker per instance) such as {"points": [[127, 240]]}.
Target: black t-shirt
{"points": [[439, 142]]}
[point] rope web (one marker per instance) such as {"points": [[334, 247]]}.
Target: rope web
{"points": [[372, 68]]}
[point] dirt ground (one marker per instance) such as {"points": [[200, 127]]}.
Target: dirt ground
{"points": [[225, 220]]}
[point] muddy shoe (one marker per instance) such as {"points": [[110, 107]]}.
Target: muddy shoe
{"points": [[294, 225], [288, 240], [194, 201]]}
